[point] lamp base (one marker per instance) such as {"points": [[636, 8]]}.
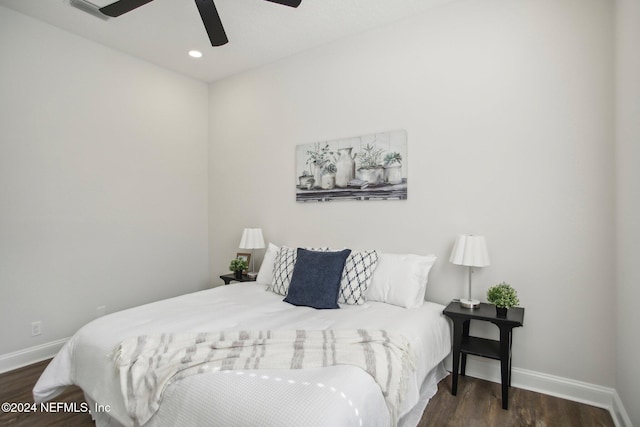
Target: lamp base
{"points": [[469, 303]]}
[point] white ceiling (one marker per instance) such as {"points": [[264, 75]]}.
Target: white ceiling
{"points": [[259, 32]]}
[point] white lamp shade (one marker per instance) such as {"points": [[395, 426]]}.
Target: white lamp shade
{"points": [[252, 239], [470, 251]]}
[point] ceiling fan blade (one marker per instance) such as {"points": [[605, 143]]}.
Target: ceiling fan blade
{"points": [[212, 22], [122, 6], [290, 3]]}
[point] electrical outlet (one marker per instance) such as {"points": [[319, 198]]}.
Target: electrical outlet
{"points": [[36, 328], [101, 310]]}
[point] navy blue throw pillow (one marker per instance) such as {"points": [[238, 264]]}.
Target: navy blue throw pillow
{"points": [[316, 278]]}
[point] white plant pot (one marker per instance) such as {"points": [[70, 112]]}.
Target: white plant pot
{"points": [[393, 174], [328, 181], [372, 175]]}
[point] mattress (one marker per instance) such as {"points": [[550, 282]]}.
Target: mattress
{"points": [[331, 396]]}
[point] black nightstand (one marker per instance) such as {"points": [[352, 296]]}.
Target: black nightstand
{"points": [[463, 344], [228, 278]]}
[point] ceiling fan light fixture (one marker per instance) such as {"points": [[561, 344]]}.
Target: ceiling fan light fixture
{"points": [[206, 8], [88, 7]]}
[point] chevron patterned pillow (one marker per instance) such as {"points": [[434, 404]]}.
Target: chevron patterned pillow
{"points": [[356, 277]]}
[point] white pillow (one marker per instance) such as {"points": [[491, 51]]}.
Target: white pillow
{"points": [[400, 279], [265, 275], [356, 276]]}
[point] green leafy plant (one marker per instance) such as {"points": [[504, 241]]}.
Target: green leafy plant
{"points": [[319, 156], [392, 158], [330, 167], [503, 295], [238, 264], [370, 157]]}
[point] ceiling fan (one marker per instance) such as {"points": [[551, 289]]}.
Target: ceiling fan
{"points": [[207, 9]]}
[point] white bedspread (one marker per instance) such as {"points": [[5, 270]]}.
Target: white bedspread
{"points": [[332, 396], [147, 363]]}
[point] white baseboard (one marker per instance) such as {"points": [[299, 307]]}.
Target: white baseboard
{"points": [[619, 414], [18, 359], [565, 388]]}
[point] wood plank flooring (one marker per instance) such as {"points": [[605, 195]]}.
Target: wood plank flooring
{"points": [[478, 404], [16, 386]]}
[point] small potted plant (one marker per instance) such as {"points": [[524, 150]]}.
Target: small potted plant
{"points": [[317, 159], [306, 180], [393, 168], [370, 169], [329, 176], [238, 265], [504, 297]]}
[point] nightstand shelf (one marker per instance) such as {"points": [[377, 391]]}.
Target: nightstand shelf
{"points": [[481, 347], [464, 344], [228, 278]]}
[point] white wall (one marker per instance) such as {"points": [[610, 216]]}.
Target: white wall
{"points": [[103, 182], [508, 108], [628, 203]]}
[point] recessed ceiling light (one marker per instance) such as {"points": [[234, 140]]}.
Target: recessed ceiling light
{"points": [[195, 54]]}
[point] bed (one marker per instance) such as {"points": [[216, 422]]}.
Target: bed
{"points": [[339, 395]]}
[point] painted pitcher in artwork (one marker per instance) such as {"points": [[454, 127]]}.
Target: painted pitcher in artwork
{"points": [[346, 165]]}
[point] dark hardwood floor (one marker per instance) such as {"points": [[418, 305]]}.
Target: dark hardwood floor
{"points": [[15, 387], [477, 405]]}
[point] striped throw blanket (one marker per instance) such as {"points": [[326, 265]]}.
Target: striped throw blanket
{"points": [[147, 364]]}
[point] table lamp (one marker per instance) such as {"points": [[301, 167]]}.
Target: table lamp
{"points": [[470, 251], [252, 239]]}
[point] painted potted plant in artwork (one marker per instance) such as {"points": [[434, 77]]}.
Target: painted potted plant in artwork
{"points": [[328, 180], [238, 265], [306, 180], [317, 160], [370, 169], [393, 168], [504, 297]]}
